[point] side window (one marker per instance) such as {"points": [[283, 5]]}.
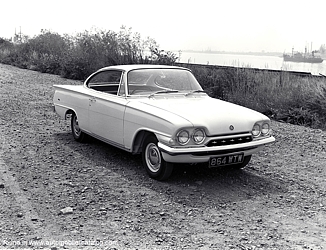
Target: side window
{"points": [[105, 81]]}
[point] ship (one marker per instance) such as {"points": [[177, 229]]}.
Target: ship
{"points": [[305, 57]]}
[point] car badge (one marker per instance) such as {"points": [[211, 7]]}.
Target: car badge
{"points": [[231, 127]]}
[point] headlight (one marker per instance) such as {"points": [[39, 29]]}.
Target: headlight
{"points": [[262, 128], [198, 136], [265, 129], [183, 137], [255, 130]]}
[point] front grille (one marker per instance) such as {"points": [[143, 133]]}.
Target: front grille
{"points": [[229, 141]]}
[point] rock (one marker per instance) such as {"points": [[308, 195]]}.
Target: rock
{"points": [[67, 210], [2, 185]]}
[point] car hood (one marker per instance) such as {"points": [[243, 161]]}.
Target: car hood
{"points": [[203, 111]]}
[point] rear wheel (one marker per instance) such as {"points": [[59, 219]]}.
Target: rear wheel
{"points": [[156, 167], [243, 164], [75, 129]]}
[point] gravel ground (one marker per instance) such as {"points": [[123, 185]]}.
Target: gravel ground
{"points": [[56, 193]]}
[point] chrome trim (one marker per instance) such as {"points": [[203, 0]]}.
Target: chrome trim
{"points": [[112, 143], [214, 150]]}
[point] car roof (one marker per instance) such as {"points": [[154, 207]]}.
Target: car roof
{"points": [[140, 66]]}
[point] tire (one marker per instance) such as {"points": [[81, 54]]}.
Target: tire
{"points": [[75, 129], [243, 164], [153, 161]]}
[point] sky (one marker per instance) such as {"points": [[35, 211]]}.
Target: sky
{"points": [[228, 25]]}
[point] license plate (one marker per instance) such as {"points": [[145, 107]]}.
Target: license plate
{"points": [[225, 160]]}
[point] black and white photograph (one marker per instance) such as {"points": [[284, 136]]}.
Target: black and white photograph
{"points": [[158, 125]]}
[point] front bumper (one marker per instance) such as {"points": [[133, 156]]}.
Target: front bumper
{"points": [[203, 154]]}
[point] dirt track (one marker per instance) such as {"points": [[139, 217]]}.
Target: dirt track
{"points": [[277, 202]]}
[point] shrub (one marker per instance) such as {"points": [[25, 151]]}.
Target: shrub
{"points": [[77, 56]]}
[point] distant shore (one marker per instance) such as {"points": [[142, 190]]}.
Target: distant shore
{"points": [[262, 53], [233, 52]]}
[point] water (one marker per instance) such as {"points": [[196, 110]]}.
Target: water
{"points": [[252, 61]]}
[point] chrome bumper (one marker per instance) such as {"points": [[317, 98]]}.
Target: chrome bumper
{"points": [[203, 154]]}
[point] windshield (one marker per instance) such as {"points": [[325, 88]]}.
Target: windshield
{"points": [[155, 81]]}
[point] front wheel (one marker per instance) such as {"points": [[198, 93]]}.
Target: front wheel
{"points": [[75, 129], [156, 167]]}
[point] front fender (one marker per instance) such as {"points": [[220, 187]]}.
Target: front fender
{"points": [[161, 123]]}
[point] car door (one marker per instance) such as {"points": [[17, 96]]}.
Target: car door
{"points": [[107, 106]]}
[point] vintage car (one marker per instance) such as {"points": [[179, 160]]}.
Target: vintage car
{"points": [[162, 113]]}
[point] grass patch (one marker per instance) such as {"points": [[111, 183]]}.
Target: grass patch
{"points": [[282, 96]]}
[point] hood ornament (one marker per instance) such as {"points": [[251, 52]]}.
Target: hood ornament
{"points": [[231, 127]]}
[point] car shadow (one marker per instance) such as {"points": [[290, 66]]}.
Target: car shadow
{"points": [[222, 185], [188, 184]]}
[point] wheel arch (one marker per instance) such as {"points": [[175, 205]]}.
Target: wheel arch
{"points": [[139, 139], [69, 113]]}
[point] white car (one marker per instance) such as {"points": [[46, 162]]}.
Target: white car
{"points": [[163, 113]]}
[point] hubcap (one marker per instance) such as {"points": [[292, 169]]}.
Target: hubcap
{"points": [[153, 157]]}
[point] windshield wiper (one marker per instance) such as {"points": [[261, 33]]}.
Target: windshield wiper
{"points": [[163, 92], [195, 91]]}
